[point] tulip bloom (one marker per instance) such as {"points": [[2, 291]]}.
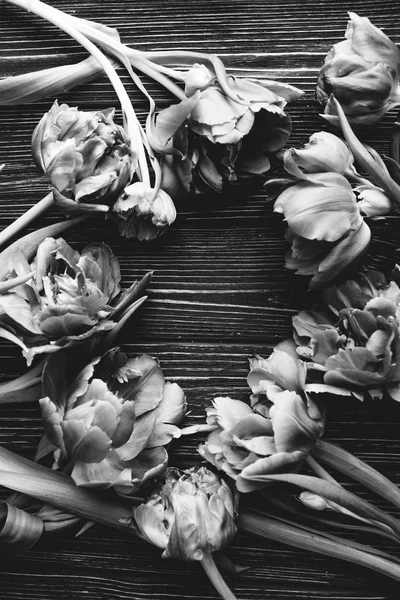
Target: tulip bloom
{"points": [[360, 351], [326, 229], [275, 434], [231, 128], [323, 153], [72, 297], [113, 420], [85, 155], [143, 215], [191, 516], [363, 74]]}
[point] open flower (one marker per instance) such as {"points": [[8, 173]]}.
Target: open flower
{"points": [[113, 420], [356, 348], [276, 433], [72, 297], [143, 214], [362, 72], [325, 228], [191, 516], [86, 156], [231, 128]]}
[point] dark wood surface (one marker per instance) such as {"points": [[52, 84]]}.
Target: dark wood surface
{"points": [[219, 293]]}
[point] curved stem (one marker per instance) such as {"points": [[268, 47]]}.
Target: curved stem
{"points": [[215, 577], [353, 467], [271, 529], [319, 470], [29, 384], [24, 220], [380, 176], [66, 24]]}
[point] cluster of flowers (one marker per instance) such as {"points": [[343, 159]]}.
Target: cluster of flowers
{"points": [[108, 418], [222, 130]]}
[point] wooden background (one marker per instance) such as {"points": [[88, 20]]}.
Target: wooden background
{"points": [[219, 292]]}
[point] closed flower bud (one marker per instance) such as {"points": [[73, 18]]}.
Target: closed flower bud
{"points": [[372, 201], [324, 152], [362, 72], [85, 155], [190, 517], [142, 214]]}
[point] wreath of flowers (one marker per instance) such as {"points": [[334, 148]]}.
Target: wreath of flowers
{"points": [[108, 418]]}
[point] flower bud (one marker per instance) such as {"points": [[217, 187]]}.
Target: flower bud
{"points": [[324, 152], [190, 517], [313, 501], [372, 201], [86, 156], [143, 214], [362, 72]]}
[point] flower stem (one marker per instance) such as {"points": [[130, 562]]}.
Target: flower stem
{"points": [[348, 464], [26, 388], [319, 470], [336, 493], [272, 529], [365, 160], [24, 220], [66, 24], [215, 577]]}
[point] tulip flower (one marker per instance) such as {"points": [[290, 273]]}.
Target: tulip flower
{"points": [[323, 153], [275, 434], [112, 421], [360, 351], [372, 201], [85, 155], [141, 215], [232, 128], [325, 227], [190, 517], [73, 297], [363, 74]]}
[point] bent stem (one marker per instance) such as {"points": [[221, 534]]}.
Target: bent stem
{"points": [[215, 577], [380, 175], [26, 388], [66, 24], [24, 220], [348, 464], [292, 535]]}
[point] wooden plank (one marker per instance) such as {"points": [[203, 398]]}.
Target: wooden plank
{"points": [[219, 292]]}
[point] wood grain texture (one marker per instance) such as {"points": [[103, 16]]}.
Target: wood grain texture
{"points": [[219, 293]]}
